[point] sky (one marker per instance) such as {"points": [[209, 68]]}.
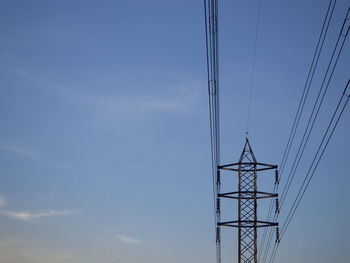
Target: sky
{"points": [[104, 138]]}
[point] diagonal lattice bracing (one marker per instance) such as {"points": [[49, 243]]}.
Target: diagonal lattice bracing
{"points": [[247, 196]]}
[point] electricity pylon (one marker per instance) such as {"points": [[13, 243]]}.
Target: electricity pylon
{"points": [[247, 197]]}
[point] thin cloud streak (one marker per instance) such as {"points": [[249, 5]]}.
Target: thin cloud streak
{"points": [[2, 201], [26, 216], [22, 150], [183, 94], [128, 239], [122, 112]]}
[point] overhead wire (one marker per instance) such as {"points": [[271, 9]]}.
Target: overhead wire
{"points": [[308, 82], [306, 132], [211, 34], [309, 176], [314, 164], [309, 79], [312, 120], [210, 110], [253, 68], [312, 117]]}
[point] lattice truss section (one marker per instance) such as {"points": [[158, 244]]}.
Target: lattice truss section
{"points": [[247, 196], [247, 205]]}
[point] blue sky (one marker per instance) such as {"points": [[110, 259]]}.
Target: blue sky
{"points": [[104, 139]]}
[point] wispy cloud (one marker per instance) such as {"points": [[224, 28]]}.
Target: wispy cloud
{"points": [[128, 239], [125, 103], [26, 216], [139, 103], [167, 94], [22, 150], [2, 201]]}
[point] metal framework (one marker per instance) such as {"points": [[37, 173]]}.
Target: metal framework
{"points": [[247, 197]]}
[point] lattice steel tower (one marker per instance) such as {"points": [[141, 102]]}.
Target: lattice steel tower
{"points": [[247, 196]]}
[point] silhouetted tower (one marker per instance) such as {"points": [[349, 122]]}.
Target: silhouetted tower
{"points": [[247, 196]]}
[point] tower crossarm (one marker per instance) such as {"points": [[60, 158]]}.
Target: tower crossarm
{"points": [[248, 195], [247, 223], [244, 165]]}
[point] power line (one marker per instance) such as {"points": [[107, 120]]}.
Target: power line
{"points": [[253, 67], [314, 164], [301, 194], [313, 117], [211, 33], [314, 63], [308, 82], [308, 132]]}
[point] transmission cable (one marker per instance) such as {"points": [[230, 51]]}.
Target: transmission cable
{"points": [[253, 67], [306, 132], [314, 164], [211, 34], [303, 98], [312, 116]]}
